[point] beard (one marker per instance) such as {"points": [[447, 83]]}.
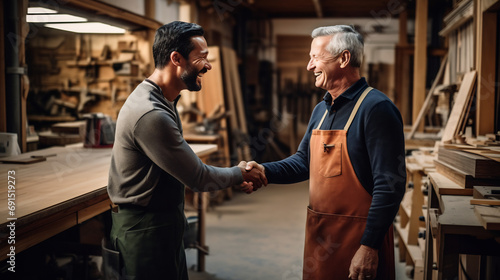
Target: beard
{"points": [[190, 78]]}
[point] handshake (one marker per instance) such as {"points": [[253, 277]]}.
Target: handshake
{"points": [[253, 176]]}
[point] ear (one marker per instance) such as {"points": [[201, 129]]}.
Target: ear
{"points": [[176, 58], [345, 58]]}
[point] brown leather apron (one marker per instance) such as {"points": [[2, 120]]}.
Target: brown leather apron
{"points": [[338, 209]]}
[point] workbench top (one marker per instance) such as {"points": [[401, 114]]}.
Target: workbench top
{"points": [[54, 195], [73, 172]]}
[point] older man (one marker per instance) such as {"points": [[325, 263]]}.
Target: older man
{"points": [[151, 162], [353, 154]]}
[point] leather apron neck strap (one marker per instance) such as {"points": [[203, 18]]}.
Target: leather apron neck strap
{"points": [[354, 110]]}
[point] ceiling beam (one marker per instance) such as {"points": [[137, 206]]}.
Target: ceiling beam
{"points": [[116, 12], [318, 8]]}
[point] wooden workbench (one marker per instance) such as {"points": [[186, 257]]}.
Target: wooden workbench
{"points": [[453, 229], [54, 195]]}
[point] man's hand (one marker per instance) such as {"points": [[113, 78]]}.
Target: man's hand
{"points": [[364, 264], [247, 187], [253, 179], [252, 164]]}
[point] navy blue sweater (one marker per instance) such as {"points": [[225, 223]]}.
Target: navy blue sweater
{"points": [[375, 142]]}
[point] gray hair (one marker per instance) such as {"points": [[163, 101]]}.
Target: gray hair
{"points": [[344, 37]]}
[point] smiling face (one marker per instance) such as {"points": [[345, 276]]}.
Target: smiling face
{"points": [[323, 64], [197, 64]]}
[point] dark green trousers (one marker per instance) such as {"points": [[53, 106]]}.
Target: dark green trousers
{"points": [[150, 244]]}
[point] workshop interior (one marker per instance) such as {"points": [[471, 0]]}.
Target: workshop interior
{"points": [[68, 66]]}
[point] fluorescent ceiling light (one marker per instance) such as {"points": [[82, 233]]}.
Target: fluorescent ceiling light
{"points": [[87, 27], [54, 18], [40, 10]]}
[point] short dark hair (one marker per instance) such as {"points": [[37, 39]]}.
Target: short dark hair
{"points": [[174, 36]]}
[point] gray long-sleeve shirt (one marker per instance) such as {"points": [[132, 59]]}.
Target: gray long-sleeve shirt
{"points": [[151, 162]]}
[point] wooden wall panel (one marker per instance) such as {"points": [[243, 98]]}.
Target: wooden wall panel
{"points": [[486, 66]]}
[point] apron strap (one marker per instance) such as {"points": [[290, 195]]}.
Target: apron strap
{"points": [[322, 119], [356, 107]]}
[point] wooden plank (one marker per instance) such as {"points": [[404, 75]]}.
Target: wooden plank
{"points": [[464, 116], [415, 253], [238, 99], [445, 186], [489, 217], [235, 77], [428, 99], [462, 178], [402, 238], [417, 201], [490, 154], [405, 207], [457, 112], [420, 58], [490, 202], [230, 97]]}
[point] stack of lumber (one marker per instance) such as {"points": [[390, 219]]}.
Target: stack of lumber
{"points": [[469, 162], [472, 171], [467, 167]]}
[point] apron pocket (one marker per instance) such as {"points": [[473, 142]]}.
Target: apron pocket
{"points": [[331, 160]]}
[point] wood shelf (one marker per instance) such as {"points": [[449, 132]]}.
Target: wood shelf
{"points": [[41, 118]]}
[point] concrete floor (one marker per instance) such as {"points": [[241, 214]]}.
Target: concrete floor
{"points": [[258, 236]]}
